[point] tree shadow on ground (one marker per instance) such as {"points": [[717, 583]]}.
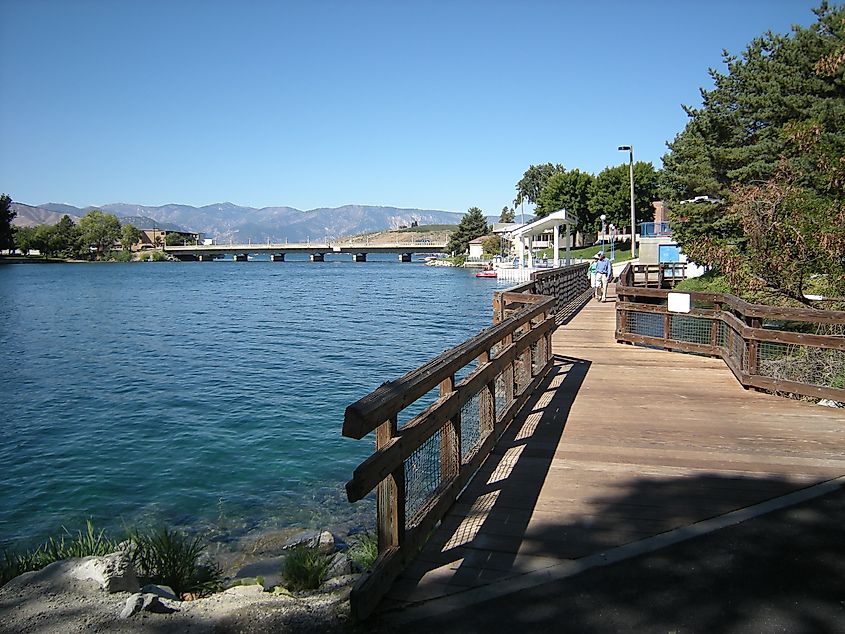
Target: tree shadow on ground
{"points": [[784, 571]]}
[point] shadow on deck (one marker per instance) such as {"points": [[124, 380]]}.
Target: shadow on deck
{"points": [[576, 484]]}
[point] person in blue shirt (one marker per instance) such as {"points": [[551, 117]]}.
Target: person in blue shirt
{"points": [[604, 273]]}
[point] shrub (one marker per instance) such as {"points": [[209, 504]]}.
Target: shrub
{"points": [[364, 550], [305, 568], [173, 559]]}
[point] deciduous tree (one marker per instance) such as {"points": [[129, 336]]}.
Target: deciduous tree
{"points": [[129, 235], [610, 194], [99, 230], [533, 181]]}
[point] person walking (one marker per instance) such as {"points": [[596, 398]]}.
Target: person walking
{"points": [[604, 273], [591, 273]]}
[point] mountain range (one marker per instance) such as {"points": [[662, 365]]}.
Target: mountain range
{"points": [[228, 222]]}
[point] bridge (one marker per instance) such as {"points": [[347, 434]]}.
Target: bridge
{"points": [[358, 249], [549, 444]]}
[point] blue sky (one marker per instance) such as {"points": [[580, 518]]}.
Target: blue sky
{"points": [[437, 105]]}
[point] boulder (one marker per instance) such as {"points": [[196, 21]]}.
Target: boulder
{"points": [[323, 540], [145, 602], [114, 572], [340, 565], [164, 592], [266, 572]]}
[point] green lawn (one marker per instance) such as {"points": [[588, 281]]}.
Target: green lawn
{"points": [[623, 252]]}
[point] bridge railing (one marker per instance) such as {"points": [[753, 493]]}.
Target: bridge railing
{"points": [[782, 350], [435, 426]]}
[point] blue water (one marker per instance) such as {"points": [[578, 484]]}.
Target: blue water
{"points": [[205, 395]]}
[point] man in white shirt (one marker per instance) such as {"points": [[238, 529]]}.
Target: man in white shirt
{"points": [[604, 273]]}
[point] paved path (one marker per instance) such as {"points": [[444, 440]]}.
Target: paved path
{"points": [[627, 450]]}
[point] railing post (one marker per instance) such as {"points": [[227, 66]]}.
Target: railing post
{"points": [[450, 438], [487, 401], [714, 329], [751, 345], [390, 495]]}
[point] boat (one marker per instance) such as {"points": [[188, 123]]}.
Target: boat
{"points": [[486, 274]]}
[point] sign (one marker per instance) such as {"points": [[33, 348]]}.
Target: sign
{"points": [[679, 303]]}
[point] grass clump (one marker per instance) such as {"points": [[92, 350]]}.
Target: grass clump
{"points": [[87, 543], [306, 568], [160, 556], [364, 550], [172, 558]]}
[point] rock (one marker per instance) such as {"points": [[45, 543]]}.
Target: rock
{"points": [[335, 583], [323, 540], [132, 606], [114, 572], [145, 602], [267, 572], [826, 402], [165, 592], [339, 566]]}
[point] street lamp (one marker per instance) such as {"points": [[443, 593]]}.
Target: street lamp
{"points": [[630, 150], [602, 218], [612, 243]]}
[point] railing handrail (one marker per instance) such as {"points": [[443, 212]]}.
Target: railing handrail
{"points": [[510, 359], [743, 337]]}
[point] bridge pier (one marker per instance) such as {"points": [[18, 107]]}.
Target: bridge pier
{"points": [[405, 257], [318, 257], [239, 257], [277, 257], [359, 257]]}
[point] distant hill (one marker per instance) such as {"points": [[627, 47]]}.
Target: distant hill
{"points": [[226, 221]]}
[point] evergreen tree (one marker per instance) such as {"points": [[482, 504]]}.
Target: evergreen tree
{"points": [[6, 217], [508, 214], [473, 225], [769, 141]]}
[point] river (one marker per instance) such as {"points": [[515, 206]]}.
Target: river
{"points": [[206, 396]]}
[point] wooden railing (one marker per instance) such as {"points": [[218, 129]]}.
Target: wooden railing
{"points": [[662, 275], [456, 407], [774, 349]]}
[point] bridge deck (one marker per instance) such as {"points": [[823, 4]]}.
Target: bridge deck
{"points": [[654, 441]]}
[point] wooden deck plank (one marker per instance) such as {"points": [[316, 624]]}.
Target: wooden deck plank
{"points": [[623, 443]]}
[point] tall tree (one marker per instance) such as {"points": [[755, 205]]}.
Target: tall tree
{"points": [[129, 235], [507, 215], [473, 225], [99, 230], [768, 139], [610, 194], [533, 181], [6, 217], [566, 190]]}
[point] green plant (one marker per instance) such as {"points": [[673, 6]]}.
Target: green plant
{"points": [[305, 568], [364, 550], [85, 544], [172, 558]]}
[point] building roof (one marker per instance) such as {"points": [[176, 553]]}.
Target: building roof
{"points": [[538, 227]]}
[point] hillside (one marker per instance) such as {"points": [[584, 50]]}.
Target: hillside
{"points": [[228, 222]]}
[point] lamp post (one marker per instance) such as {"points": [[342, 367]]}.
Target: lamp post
{"points": [[612, 243], [630, 150], [602, 218]]}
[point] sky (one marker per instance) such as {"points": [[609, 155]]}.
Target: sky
{"points": [[438, 104]]}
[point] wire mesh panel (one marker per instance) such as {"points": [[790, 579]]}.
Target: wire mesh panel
{"points": [[647, 324], [426, 470], [735, 346], [504, 391], [470, 425], [801, 364], [689, 329]]}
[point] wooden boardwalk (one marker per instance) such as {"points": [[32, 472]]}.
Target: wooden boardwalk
{"points": [[623, 443]]}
